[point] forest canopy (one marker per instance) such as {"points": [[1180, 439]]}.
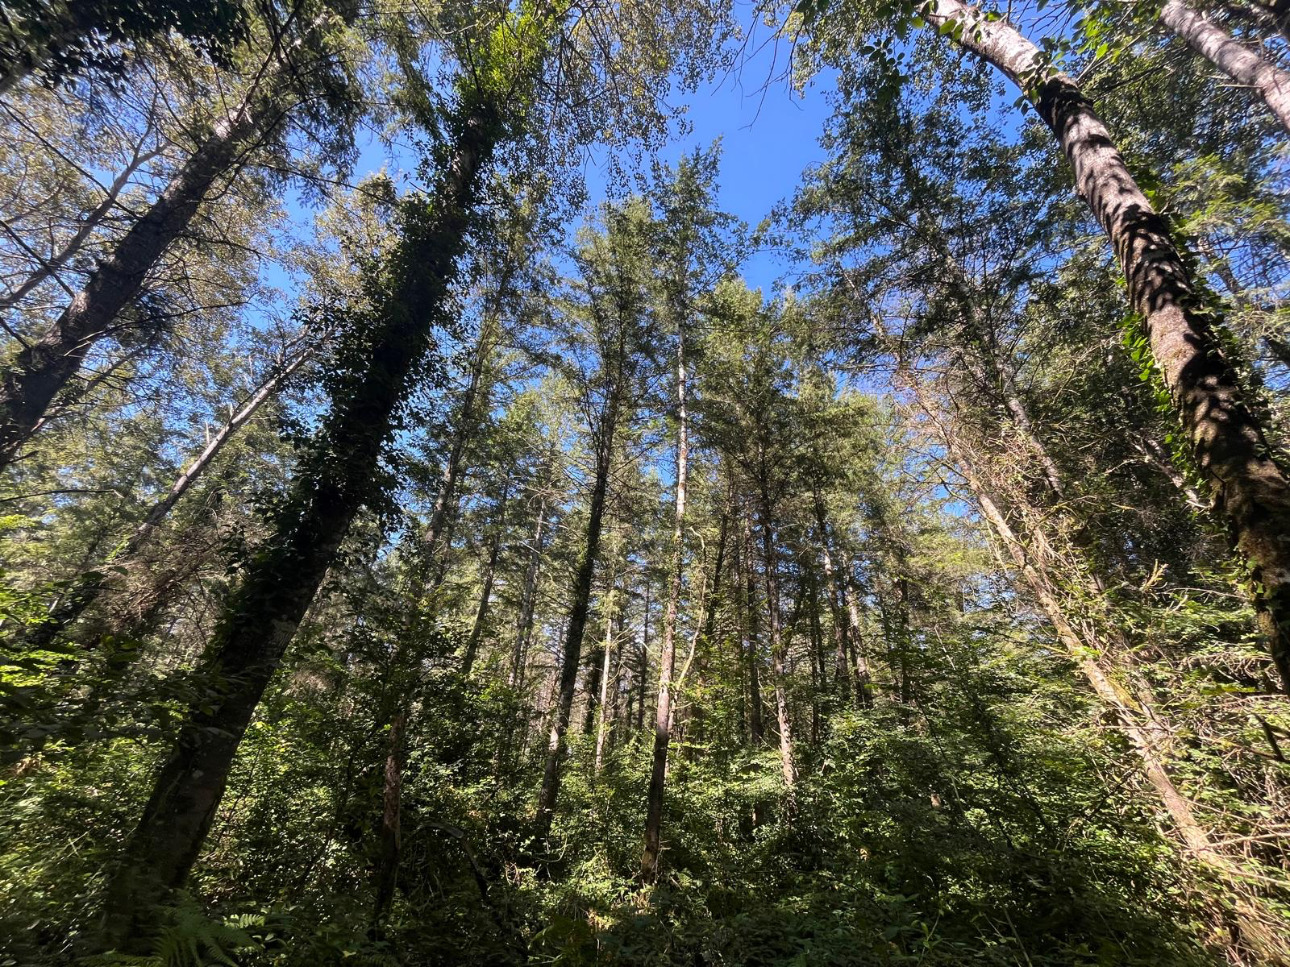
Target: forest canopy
{"points": [[479, 486]]}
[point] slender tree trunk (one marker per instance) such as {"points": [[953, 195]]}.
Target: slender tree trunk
{"points": [[643, 671], [779, 674], [474, 402], [1233, 58], [486, 595], [860, 661], [756, 727], [47, 363], [524, 629], [581, 600], [607, 681], [88, 587], [86, 227], [836, 597], [1251, 489], [1144, 736], [667, 658], [333, 481], [391, 834]]}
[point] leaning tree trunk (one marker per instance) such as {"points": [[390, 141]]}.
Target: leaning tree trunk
{"points": [[1137, 717], [1250, 488], [1143, 735], [90, 585], [667, 657], [46, 364], [581, 601], [1232, 57], [331, 485]]}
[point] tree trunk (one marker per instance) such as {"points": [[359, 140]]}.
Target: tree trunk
{"points": [[779, 675], [607, 681], [581, 600], [46, 364], [667, 658], [1143, 736], [332, 483], [1233, 58], [1251, 490], [485, 596], [474, 401], [836, 597], [524, 629], [86, 227], [391, 835], [88, 587], [643, 671], [756, 727]]}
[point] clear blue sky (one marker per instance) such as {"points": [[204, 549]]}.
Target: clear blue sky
{"points": [[769, 133]]}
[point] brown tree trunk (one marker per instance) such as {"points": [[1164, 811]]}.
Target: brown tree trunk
{"points": [[524, 628], [643, 671], [46, 364], [333, 481], [752, 632], [485, 595], [391, 834], [580, 602], [667, 657], [1251, 490], [1233, 58]]}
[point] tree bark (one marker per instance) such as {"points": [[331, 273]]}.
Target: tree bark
{"points": [[1144, 736], [524, 628], [752, 631], [46, 364], [1251, 489], [667, 658], [779, 675], [89, 586], [391, 833], [580, 602], [607, 681], [1230, 56], [334, 479], [485, 595]]}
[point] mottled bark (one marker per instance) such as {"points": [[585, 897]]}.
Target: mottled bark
{"points": [[1251, 490], [1233, 58]]}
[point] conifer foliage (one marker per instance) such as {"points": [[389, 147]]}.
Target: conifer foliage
{"points": [[416, 551]]}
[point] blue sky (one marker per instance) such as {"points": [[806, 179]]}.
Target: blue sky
{"points": [[769, 133]]}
